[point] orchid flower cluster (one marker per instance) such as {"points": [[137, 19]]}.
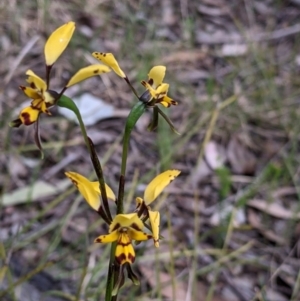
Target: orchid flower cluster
{"points": [[124, 228]]}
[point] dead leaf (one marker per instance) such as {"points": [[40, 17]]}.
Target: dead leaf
{"points": [[34, 192], [214, 157], [233, 50], [185, 56], [16, 166], [255, 222], [181, 289], [213, 11], [241, 159], [273, 209], [165, 283], [221, 214]]}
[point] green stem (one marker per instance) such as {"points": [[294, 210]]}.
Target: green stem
{"points": [[134, 115], [131, 87], [166, 118], [100, 176], [111, 274], [68, 103]]}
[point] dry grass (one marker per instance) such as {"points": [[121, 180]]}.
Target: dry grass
{"points": [[231, 221]]}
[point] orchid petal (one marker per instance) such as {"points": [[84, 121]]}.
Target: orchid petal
{"points": [[29, 115], [158, 184], [87, 72], [166, 101], [111, 237], [138, 235], [126, 220], [156, 76], [109, 60], [89, 190], [57, 42], [124, 250], [36, 82], [154, 218], [30, 92]]}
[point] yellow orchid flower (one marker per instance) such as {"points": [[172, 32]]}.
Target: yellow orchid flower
{"points": [[157, 89], [124, 229], [90, 190], [58, 42], [153, 190], [38, 90], [42, 100]]}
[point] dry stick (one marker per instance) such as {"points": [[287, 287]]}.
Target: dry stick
{"points": [[225, 259], [296, 289], [84, 272], [26, 277], [211, 128], [297, 285], [207, 138], [217, 272], [196, 241], [171, 247], [20, 57]]}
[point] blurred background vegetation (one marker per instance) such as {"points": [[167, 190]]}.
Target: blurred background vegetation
{"points": [[230, 222]]}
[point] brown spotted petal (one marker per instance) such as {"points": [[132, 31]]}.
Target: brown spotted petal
{"points": [[36, 82], [29, 115], [156, 76], [166, 101], [108, 238], [86, 73], [30, 92], [158, 184], [125, 221], [124, 250], [89, 190], [109, 60]]}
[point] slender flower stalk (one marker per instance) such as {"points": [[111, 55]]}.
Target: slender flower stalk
{"points": [[134, 115]]}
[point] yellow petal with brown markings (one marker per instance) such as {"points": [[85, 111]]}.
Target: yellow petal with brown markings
{"points": [[126, 220], [29, 115], [89, 190], [109, 60], [156, 76], [111, 237], [158, 184], [86, 73], [124, 251], [36, 82], [30, 92], [154, 218]]}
